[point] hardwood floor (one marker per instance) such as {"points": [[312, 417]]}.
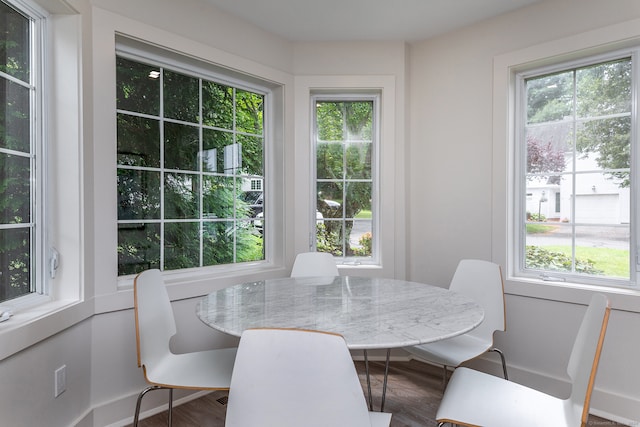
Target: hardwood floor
{"points": [[414, 391]]}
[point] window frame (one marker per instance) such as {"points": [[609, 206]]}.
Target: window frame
{"points": [[41, 271], [139, 50], [520, 185], [347, 95], [505, 67]]}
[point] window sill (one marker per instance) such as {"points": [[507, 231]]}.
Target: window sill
{"points": [[620, 298], [28, 327]]}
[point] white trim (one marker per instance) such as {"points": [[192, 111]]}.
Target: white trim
{"points": [[600, 41], [305, 87]]}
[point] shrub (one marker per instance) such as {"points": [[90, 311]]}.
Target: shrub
{"points": [[537, 257]]}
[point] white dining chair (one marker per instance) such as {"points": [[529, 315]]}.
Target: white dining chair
{"points": [[474, 398], [308, 264], [482, 281], [293, 378], [162, 369]]}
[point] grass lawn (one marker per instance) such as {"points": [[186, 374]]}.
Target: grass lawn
{"points": [[539, 228], [364, 215], [614, 262]]}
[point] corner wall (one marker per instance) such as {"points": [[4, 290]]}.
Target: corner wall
{"points": [[452, 174]]}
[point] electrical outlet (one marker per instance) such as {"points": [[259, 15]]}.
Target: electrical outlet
{"points": [[60, 380]]}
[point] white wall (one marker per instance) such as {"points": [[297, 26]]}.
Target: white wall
{"points": [[457, 184]]}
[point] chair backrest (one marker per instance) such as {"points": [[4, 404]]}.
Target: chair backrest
{"points": [[482, 281], [292, 378], [309, 264], [585, 356], [155, 324]]}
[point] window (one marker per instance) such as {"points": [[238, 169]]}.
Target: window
{"points": [[345, 140], [21, 183], [575, 144], [190, 156]]}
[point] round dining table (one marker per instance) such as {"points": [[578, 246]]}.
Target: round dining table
{"points": [[369, 312]]}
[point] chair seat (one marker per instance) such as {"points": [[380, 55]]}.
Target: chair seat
{"points": [[206, 370], [495, 402], [452, 351]]}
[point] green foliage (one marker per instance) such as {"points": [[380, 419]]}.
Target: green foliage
{"points": [[536, 217], [328, 239], [543, 259]]}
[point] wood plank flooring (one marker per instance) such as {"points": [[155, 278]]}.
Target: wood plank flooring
{"points": [[414, 391]]}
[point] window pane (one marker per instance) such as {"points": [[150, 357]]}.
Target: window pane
{"points": [[603, 250], [550, 97], [181, 245], [218, 197], [329, 160], [138, 141], [250, 247], [138, 247], [251, 154], [361, 236], [605, 143], [15, 116], [218, 243], [181, 97], [329, 201], [213, 145], [217, 105], [15, 191], [549, 246], [252, 203], [604, 89], [181, 196], [138, 194], [358, 199], [14, 49], [330, 236], [15, 263], [249, 112], [181, 147], [598, 200], [137, 87], [549, 148], [358, 160]]}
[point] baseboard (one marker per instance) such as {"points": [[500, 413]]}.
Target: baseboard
{"points": [[120, 412]]}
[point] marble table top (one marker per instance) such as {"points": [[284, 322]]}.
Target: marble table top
{"points": [[371, 313]]}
